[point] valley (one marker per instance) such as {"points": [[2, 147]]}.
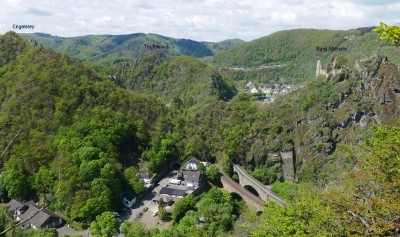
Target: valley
{"points": [[147, 135]]}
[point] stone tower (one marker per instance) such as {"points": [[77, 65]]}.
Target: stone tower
{"points": [[319, 70]]}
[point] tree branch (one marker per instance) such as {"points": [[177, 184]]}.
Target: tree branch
{"points": [[34, 214], [12, 140], [365, 223]]}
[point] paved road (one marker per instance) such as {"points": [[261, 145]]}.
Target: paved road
{"points": [[65, 230], [132, 215], [255, 67], [147, 199]]}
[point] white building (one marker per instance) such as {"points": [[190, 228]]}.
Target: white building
{"points": [[193, 164], [129, 201]]}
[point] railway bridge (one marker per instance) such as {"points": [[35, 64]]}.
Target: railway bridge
{"points": [[246, 183], [249, 182]]}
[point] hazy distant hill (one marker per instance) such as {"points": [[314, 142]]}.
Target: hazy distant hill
{"points": [[96, 47], [296, 50]]}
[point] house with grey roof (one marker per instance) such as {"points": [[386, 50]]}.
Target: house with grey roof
{"points": [[147, 179], [192, 178], [174, 192], [39, 218], [128, 200]]}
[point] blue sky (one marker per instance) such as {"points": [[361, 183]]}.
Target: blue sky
{"points": [[208, 20]]}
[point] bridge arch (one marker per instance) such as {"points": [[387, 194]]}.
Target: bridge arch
{"points": [[235, 176], [251, 189], [236, 190], [247, 181], [236, 196]]}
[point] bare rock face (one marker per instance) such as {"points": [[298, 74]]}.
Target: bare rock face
{"points": [[383, 85], [370, 95], [32, 42], [339, 102], [386, 99], [380, 85]]}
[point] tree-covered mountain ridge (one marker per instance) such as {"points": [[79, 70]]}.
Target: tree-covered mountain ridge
{"points": [[182, 81], [298, 50], [295, 51], [316, 122], [98, 47], [74, 130]]}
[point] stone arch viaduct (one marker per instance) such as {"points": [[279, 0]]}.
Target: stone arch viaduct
{"points": [[240, 188]]}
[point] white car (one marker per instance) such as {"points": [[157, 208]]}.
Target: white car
{"points": [[155, 213], [115, 214]]}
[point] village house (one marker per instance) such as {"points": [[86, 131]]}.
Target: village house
{"points": [[41, 218], [147, 180], [128, 200], [192, 164], [252, 88], [165, 199], [173, 192], [192, 178]]}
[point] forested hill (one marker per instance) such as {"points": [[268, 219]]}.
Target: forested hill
{"points": [[73, 129], [181, 80], [296, 50], [107, 47]]}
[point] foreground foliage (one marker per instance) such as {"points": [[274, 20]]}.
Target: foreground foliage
{"points": [[390, 33], [366, 204]]}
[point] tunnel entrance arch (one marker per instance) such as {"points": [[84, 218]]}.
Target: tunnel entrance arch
{"points": [[175, 165]]}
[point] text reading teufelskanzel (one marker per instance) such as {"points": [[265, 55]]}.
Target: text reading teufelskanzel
{"points": [[21, 27], [320, 49], [156, 46]]}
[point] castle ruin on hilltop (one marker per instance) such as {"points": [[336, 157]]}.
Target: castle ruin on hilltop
{"points": [[330, 69]]}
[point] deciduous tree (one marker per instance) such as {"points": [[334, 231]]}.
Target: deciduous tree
{"points": [[105, 225]]}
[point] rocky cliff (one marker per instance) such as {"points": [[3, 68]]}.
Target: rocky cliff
{"points": [[357, 98]]}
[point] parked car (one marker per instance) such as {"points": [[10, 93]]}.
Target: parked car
{"points": [[155, 213], [116, 214]]}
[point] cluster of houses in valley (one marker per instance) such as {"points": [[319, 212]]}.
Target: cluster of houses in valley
{"points": [[268, 93], [184, 182]]}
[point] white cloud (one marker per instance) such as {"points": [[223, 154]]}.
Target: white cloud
{"points": [[283, 17], [12, 3], [342, 10], [102, 20], [210, 20]]}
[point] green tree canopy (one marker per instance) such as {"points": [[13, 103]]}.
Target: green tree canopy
{"points": [[182, 206], [134, 229], [212, 173], [105, 225], [389, 33]]}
